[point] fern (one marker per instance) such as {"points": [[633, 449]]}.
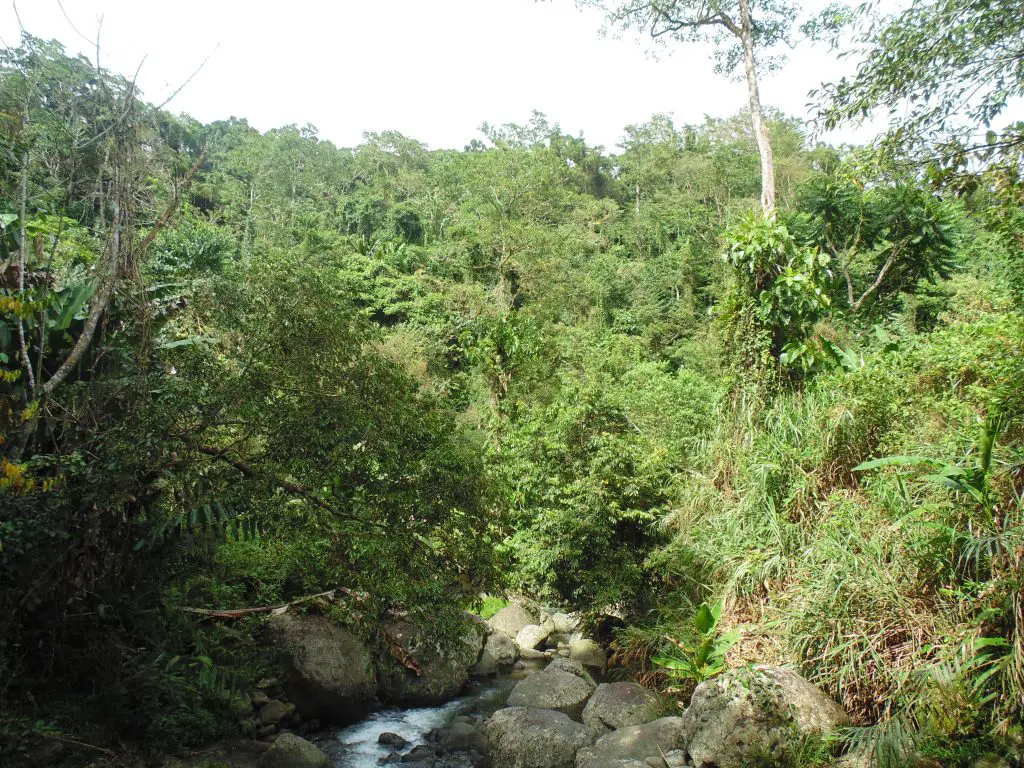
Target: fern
{"points": [[215, 516]]}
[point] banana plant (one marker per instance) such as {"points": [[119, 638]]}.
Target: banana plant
{"points": [[704, 657], [972, 481]]}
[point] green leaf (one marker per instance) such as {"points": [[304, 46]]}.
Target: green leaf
{"points": [[898, 461], [190, 342], [704, 620]]}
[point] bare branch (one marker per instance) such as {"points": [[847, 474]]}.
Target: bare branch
{"points": [[181, 87], [108, 282]]}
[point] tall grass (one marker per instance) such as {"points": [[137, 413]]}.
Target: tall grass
{"points": [[885, 590]]}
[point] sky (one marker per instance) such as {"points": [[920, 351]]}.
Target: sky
{"points": [[432, 69]]}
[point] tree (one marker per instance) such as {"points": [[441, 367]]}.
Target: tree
{"points": [[717, 20], [943, 70], [884, 238]]}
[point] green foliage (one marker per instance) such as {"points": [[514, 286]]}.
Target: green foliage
{"points": [[940, 67], [425, 376], [704, 656], [777, 297], [884, 238], [589, 473]]}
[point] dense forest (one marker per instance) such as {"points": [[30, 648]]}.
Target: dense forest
{"points": [[238, 369]]}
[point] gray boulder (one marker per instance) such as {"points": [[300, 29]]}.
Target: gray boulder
{"points": [[617, 705], [462, 737], [445, 668], [485, 667], [502, 648], [565, 623], [526, 737], [330, 674], [553, 689], [633, 744], [275, 711], [291, 751], [532, 654], [589, 653], [532, 635], [499, 651], [573, 668], [755, 713], [510, 619]]}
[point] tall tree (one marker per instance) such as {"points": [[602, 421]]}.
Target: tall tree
{"points": [[729, 24]]}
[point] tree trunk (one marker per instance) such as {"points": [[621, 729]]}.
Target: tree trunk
{"points": [[764, 146]]}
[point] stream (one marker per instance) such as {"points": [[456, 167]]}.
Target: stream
{"points": [[356, 746]]}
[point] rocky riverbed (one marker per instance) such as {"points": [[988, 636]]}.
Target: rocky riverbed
{"points": [[523, 690]]}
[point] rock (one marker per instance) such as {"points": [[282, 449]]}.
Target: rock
{"points": [[510, 619], [462, 737], [258, 698], [588, 653], [748, 714], [486, 666], [531, 654], [617, 705], [445, 668], [573, 668], [526, 737], [990, 761], [291, 751], [266, 731], [502, 648], [389, 739], [274, 712], [859, 759], [419, 754], [499, 651], [633, 744], [656, 762], [531, 636], [565, 623], [675, 758], [330, 676], [554, 689]]}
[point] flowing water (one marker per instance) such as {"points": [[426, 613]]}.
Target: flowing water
{"points": [[357, 746]]}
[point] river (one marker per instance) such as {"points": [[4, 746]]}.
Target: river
{"points": [[357, 747]]}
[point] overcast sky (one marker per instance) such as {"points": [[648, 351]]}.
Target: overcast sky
{"points": [[432, 69]]}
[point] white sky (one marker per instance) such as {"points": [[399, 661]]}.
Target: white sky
{"points": [[432, 69]]}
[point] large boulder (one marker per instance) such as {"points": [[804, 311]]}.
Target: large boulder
{"points": [[510, 619], [499, 651], [274, 712], [565, 623], [461, 737], [634, 743], [755, 714], [588, 653], [532, 635], [573, 668], [444, 668], [559, 689], [525, 737], [502, 648], [617, 705], [291, 751], [330, 673]]}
